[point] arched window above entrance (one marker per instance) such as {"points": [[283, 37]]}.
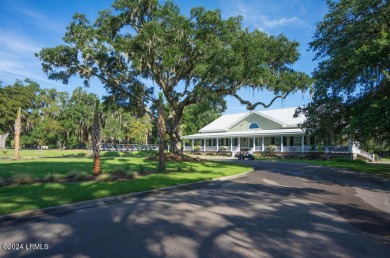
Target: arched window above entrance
{"points": [[254, 126]]}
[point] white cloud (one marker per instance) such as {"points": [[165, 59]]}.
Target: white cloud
{"points": [[17, 60], [16, 43], [12, 69], [259, 15], [9, 66], [40, 19], [265, 23]]}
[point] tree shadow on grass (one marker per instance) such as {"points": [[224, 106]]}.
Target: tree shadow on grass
{"points": [[43, 167], [110, 154], [77, 155], [34, 196], [40, 168]]}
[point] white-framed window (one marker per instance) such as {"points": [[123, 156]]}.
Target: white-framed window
{"points": [[254, 126], [278, 141], [297, 140]]}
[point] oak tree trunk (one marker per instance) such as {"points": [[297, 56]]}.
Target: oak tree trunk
{"points": [[176, 142], [174, 130]]}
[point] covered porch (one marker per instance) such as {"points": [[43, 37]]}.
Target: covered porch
{"points": [[293, 141]]}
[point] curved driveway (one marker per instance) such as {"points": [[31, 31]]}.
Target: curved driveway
{"points": [[280, 210]]}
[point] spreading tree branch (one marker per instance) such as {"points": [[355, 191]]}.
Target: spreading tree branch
{"points": [[252, 106]]}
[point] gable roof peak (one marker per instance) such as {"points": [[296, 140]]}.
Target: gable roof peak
{"points": [[283, 116], [223, 123]]}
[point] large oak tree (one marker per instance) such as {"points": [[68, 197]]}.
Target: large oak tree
{"points": [[140, 45], [352, 95]]}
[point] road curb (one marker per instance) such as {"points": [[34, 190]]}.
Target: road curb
{"points": [[106, 200]]}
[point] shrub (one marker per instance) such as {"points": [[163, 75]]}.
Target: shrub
{"points": [[271, 148], [52, 177], [191, 168], [179, 166], [103, 178], [359, 161], [23, 178], [127, 167], [132, 174], [72, 174], [119, 171], [141, 168], [259, 156], [81, 176]]}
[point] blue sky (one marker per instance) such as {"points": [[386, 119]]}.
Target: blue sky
{"points": [[26, 26]]}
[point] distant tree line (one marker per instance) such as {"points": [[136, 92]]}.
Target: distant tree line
{"points": [[59, 119]]}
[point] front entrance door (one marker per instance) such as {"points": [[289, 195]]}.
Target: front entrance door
{"points": [[250, 143]]}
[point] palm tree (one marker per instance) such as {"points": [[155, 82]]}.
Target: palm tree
{"points": [[96, 137], [18, 128], [161, 135]]}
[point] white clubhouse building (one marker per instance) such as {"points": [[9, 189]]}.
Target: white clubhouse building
{"points": [[257, 131]]}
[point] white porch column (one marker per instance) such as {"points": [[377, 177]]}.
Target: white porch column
{"points": [[217, 144], [239, 143], [262, 144], [281, 143], [254, 144], [192, 143], [204, 144], [231, 144], [303, 143], [184, 145]]}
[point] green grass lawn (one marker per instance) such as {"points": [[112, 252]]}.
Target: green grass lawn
{"points": [[80, 153], [9, 153], [39, 168], [29, 197], [382, 170]]}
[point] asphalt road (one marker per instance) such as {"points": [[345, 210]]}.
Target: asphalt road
{"points": [[280, 210]]}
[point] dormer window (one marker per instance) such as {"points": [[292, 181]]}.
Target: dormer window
{"points": [[254, 126]]}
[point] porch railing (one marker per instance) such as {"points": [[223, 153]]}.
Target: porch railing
{"points": [[292, 148], [210, 148], [187, 148], [273, 148], [236, 149], [366, 155], [127, 147], [258, 148]]}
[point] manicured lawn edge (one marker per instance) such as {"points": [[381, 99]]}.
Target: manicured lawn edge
{"points": [[141, 189]]}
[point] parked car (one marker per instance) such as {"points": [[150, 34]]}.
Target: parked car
{"points": [[247, 155]]}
